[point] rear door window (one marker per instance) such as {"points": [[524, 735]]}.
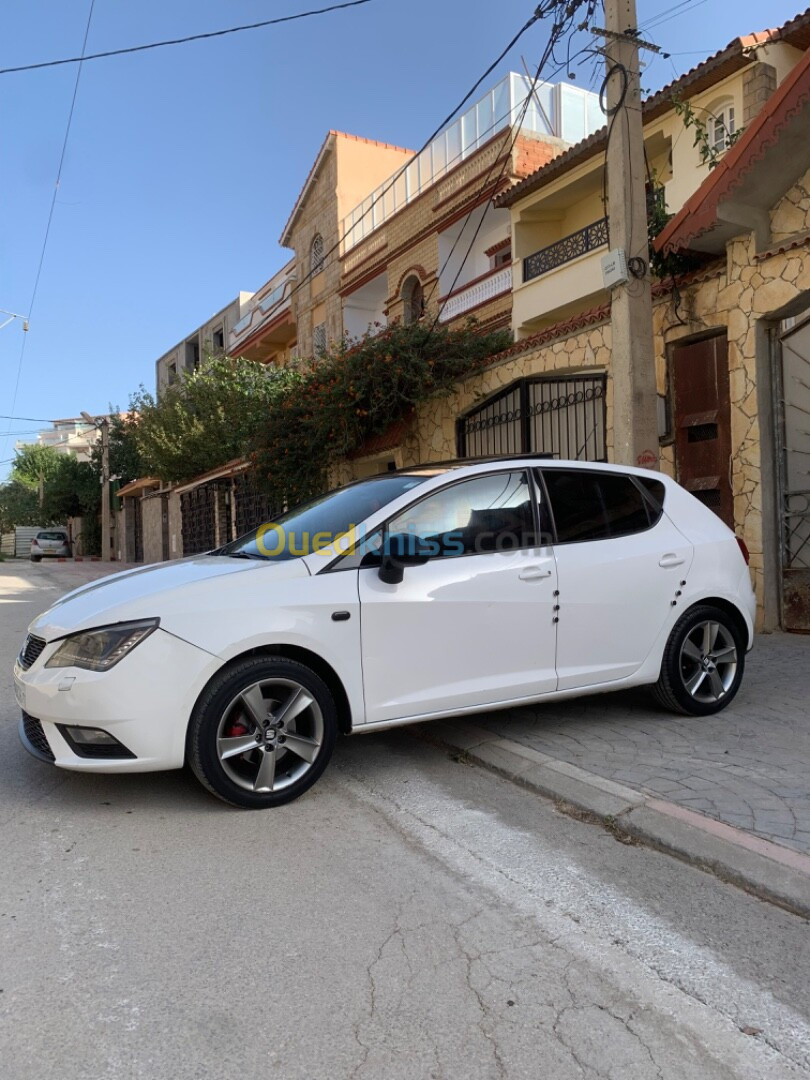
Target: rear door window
{"points": [[597, 506]]}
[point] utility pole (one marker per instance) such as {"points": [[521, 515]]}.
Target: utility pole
{"points": [[105, 489], [635, 403], [103, 425]]}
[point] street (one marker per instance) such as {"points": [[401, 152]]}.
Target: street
{"points": [[412, 916]]}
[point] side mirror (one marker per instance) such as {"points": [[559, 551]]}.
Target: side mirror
{"points": [[401, 550]]}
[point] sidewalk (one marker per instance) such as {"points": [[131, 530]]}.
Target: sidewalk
{"points": [[729, 792]]}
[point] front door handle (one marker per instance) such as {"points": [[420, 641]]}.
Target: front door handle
{"points": [[671, 560], [534, 573]]}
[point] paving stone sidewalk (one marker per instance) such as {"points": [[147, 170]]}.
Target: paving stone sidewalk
{"points": [[749, 766]]}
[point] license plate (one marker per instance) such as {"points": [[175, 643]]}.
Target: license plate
{"points": [[19, 693]]}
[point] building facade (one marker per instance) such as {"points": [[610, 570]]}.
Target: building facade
{"points": [[715, 327], [209, 340]]}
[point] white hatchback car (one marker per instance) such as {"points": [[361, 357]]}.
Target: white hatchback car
{"points": [[434, 591]]}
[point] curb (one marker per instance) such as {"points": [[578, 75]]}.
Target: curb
{"points": [[770, 871]]}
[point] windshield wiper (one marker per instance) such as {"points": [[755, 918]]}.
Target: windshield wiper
{"points": [[244, 555]]}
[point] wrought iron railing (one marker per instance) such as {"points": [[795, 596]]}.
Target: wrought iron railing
{"points": [[570, 247], [561, 416], [797, 530]]}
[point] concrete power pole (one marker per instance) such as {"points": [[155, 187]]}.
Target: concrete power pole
{"points": [[103, 426], [105, 489], [635, 404]]}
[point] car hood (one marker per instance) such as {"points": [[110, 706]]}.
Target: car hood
{"points": [[152, 592]]}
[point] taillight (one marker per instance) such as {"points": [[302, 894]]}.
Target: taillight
{"points": [[746, 554]]}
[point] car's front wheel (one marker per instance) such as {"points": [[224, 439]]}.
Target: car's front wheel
{"points": [[263, 732], [703, 662]]}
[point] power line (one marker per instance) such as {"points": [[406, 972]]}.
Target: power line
{"points": [[672, 13], [184, 40], [27, 419], [507, 157], [383, 191], [558, 29], [53, 205]]}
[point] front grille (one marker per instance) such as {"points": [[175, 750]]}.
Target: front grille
{"points": [[30, 651], [36, 736]]}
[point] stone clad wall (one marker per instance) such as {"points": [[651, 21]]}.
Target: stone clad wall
{"points": [[738, 297], [792, 214], [751, 289], [152, 519], [433, 435]]}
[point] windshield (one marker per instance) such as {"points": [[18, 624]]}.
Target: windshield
{"points": [[316, 525]]}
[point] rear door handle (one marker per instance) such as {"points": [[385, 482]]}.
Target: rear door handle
{"points": [[534, 573], [671, 560]]}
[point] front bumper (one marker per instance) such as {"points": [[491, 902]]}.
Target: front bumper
{"points": [[145, 702]]}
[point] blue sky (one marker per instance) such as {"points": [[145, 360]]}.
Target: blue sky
{"points": [[183, 163]]}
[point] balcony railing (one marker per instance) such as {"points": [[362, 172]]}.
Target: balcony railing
{"points": [[562, 110], [570, 247], [270, 305], [496, 283]]}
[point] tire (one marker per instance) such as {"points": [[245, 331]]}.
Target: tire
{"points": [[284, 717], [703, 663], [36, 558]]}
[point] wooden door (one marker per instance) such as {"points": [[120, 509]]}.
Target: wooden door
{"points": [[702, 422]]}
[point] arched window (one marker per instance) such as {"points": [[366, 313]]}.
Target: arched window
{"points": [[316, 256], [413, 297], [722, 126]]}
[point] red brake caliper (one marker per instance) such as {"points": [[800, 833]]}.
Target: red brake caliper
{"points": [[235, 729]]}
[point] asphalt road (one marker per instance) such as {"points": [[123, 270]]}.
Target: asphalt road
{"points": [[411, 917]]}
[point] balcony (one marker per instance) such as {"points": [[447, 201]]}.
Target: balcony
{"points": [[590, 238], [268, 322], [560, 280], [562, 110], [488, 287]]}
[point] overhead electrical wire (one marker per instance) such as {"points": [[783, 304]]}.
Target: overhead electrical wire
{"points": [[26, 419], [51, 210], [559, 29], [184, 40], [383, 191]]}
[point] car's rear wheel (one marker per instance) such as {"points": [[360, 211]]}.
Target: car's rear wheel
{"points": [[703, 662], [262, 733], [36, 558]]}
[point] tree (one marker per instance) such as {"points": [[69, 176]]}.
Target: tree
{"points": [[126, 462], [357, 390], [19, 505], [72, 491], [206, 419], [34, 462]]}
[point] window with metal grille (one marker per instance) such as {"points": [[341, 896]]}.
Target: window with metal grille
{"points": [[319, 339], [560, 416], [413, 296], [316, 255]]}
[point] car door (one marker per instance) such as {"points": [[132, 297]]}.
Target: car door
{"points": [[475, 624], [620, 563]]}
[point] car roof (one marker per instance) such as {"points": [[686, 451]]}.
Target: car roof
{"points": [[435, 468]]}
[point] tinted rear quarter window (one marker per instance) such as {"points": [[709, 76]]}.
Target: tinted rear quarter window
{"points": [[597, 506]]}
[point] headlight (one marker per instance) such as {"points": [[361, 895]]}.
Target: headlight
{"points": [[101, 649]]}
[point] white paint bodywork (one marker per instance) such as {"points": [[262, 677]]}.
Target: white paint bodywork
{"points": [[457, 635]]}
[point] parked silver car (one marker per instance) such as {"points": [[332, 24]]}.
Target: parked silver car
{"points": [[50, 542]]}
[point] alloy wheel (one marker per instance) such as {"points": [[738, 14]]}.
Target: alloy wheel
{"points": [[708, 661], [270, 735]]}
